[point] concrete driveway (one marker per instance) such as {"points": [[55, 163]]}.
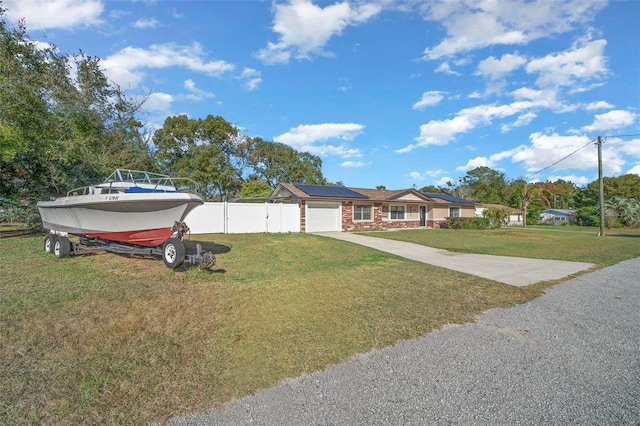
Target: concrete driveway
{"points": [[569, 357], [517, 271]]}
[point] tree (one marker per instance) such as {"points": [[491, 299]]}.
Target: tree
{"points": [[432, 189], [622, 211], [627, 186], [276, 162], [203, 150], [529, 192], [485, 185], [496, 216], [256, 188], [59, 130]]}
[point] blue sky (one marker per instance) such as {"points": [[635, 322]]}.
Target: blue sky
{"points": [[393, 93]]}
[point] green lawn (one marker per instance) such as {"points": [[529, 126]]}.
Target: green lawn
{"points": [[579, 244], [112, 339]]}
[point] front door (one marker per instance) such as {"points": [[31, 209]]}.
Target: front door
{"points": [[423, 216]]}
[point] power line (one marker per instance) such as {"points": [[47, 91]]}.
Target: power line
{"points": [[621, 136], [562, 159]]}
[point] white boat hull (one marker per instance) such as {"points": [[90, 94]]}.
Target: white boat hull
{"points": [[145, 219]]}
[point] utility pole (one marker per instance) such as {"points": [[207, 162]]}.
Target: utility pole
{"points": [[600, 188]]}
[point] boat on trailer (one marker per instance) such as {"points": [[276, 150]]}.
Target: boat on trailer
{"points": [[132, 211]]}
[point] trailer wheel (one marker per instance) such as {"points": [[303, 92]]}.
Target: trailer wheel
{"points": [[61, 247], [48, 243], [173, 253]]}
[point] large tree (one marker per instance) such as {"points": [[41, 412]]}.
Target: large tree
{"points": [[201, 149], [59, 129], [484, 185], [276, 162], [627, 186]]}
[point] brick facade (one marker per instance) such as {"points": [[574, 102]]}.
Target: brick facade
{"points": [[376, 224]]}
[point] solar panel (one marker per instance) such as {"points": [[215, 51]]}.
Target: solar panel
{"points": [[447, 197], [330, 191]]}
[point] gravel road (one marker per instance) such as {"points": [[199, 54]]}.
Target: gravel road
{"points": [[571, 356]]}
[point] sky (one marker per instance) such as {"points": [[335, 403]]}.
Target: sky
{"points": [[392, 93]]}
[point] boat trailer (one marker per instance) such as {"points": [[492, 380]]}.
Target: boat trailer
{"points": [[173, 251]]}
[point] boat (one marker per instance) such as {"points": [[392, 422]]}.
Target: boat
{"points": [[130, 206]]}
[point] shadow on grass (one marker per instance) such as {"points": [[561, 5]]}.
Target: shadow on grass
{"points": [[214, 248], [622, 235]]}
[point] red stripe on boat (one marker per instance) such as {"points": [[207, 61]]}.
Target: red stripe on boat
{"points": [[147, 238]]}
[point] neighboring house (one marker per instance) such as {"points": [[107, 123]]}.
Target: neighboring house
{"points": [[557, 216], [333, 208], [515, 215]]}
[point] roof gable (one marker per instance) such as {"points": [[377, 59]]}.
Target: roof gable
{"points": [[392, 195]]}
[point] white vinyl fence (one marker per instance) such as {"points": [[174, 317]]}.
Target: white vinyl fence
{"points": [[241, 218]]}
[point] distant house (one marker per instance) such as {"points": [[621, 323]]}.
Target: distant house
{"points": [[334, 208], [515, 215], [557, 216]]}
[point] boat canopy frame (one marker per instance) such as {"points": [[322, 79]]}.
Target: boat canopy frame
{"points": [[121, 179]]}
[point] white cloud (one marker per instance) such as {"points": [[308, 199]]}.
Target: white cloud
{"points": [[495, 69], [428, 99], [631, 147], [478, 24], [615, 119], [523, 120], [585, 61], [490, 161], [159, 102], [305, 28], [444, 181], [308, 137], [444, 131], [634, 170], [546, 150], [124, 67], [62, 14], [598, 105], [196, 94], [252, 78], [352, 164], [446, 69], [527, 101], [416, 176], [434, 173], [144, 23]]}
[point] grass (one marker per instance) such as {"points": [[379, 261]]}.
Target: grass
{"points": [[111, 339], [578, 244]]}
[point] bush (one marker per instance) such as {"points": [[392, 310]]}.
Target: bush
{"points": [[468, 222]]}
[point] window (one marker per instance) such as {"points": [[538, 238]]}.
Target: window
{"points": [[454, 211], [361, 212], [397, 212]]}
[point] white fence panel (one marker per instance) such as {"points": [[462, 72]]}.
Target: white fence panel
{"points": [[283, 218], [207, 219], [246, 218], [241, 218]]}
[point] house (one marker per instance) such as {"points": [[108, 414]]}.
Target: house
{"points": [[515, 215], [334, 208], [557, 216]]}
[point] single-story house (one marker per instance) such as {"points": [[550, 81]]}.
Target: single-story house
{"points": [[557, 216], [334, 208], [515, 215]]}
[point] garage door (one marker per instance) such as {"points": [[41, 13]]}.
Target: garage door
{"points": [[323, 217]]}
